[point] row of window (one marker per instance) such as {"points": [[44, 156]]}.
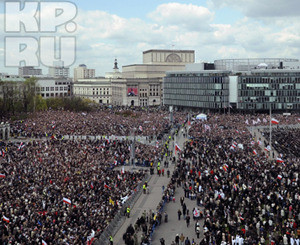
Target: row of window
{"points": [[288, 79], [210, 92], [199, 104], [42, 89], [261, 106], [269, 93], [182, 97]]}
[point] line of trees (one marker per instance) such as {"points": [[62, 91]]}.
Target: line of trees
{"points": [[21, 97]]}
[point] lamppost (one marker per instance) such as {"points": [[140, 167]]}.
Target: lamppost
{"points": [[132, 149]]}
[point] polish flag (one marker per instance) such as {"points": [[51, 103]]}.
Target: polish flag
{"points": [[189, 122], [254, 152], [268, 148], [259, 142], [279, 160], [115, 162], [241, 218], [44, 243], [252, 143], [66, 200], [274, 121], [2, 175], [123, 170], [106, 186], [237, 131], [141, 128], [235, 187], [21, 146], [177, 148], [279, 177], [91, 238], [5, 219], [216, 178]]}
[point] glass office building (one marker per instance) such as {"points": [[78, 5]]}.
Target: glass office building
{"points": [[262, 88], [201, 89]]}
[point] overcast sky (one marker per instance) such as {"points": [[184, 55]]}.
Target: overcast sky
{"points": [[215, 29]]}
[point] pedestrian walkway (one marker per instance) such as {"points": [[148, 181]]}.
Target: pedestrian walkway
{"points": [[148, 201]]}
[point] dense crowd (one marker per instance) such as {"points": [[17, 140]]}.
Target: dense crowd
{"points": [[246, 196], [60, 191], [107, 122]]}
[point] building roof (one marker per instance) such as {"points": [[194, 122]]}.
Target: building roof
{"points": [[169, 50]]}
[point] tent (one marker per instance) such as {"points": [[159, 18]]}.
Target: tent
{"points": [[201, 117]]}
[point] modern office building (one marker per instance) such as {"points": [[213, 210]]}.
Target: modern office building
{"points": [[256, 90], [29, 71], [197, 89], [261, 89], [82, 72]]}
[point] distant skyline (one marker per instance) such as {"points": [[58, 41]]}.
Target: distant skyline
{"points": [[215, 29]]}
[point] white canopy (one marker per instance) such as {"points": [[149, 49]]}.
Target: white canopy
{"points": [[201, 117]]}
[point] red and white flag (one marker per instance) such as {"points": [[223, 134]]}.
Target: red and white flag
{"points": [[268, 148], [279, 177], [279, 160], [44, 243], [2, 175], [177, 148], [141, 128], [90, 238], [21, 146], [274, 121], [106, 186], [241, 217], [252, 142], [254, 152], [67, 201], [123, 170], [115, 162], [216, 178], [259, 142], [225, 167], [5, 219]]}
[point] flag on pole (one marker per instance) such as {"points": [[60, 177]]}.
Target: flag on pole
{"points": [[268, 148], [106, 186], [67, 201], [5, 219], [21, 146], [259, 142], [274, 121], [141, 128], [2, 175], [177, 148], [123, 170], [254, 152], [279, 160], [216, 178], [241, 217], [279, 177], [44, 243], [90, 238]]}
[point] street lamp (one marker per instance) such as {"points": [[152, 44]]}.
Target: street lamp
{"points": [[132, 149]]}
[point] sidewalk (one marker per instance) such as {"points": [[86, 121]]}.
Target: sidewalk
{"points": [[148, 201]]}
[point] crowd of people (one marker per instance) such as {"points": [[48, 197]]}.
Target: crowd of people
{"points": [[119, 122], [247, 198], [60, 191]]}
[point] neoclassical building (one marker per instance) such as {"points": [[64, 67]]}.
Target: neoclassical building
{"points": [[137, 84], [141, 84]]}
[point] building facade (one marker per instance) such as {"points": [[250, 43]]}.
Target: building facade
{"points": [[82, 72], [97, 90], [261, 89], [53, 87], [245, 91], [192, 89], [29, 71]]}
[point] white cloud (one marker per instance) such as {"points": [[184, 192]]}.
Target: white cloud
{"points": [[260, 8], [188, 16], [102, 37]]}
